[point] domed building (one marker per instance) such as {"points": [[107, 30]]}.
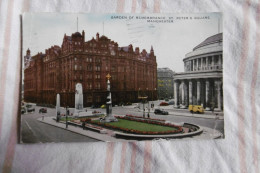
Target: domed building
{"points": [[201, 82]]}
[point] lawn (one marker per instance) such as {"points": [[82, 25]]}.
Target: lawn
{"points": [[141, 126]]}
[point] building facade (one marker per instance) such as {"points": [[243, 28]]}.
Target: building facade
{"points": [[165, 83], [59, 69], [201, 83]]}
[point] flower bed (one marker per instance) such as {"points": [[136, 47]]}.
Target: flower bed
{"points": [[177, 129]]}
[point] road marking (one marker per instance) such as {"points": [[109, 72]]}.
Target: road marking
{"points": [[32, 131], [28, 125]]}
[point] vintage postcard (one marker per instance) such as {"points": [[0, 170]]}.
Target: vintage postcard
{"points": [[121, 77]]}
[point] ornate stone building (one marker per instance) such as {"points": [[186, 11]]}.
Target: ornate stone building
{"points": [[202, 81], [165, 83], [59, 69]]}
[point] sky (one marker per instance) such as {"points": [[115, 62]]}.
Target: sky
{"points": [[171, 40]]}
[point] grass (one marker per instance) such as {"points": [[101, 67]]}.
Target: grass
{"points": [[141, 126]]}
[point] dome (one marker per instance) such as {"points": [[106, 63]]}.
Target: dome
{"points": [[210, 40]]}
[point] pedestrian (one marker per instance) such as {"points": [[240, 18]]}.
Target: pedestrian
{"points": [[58, 116], [83, 125]]}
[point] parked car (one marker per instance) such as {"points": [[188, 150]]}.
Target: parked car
{"points": [[164, 104], [161, 111], [171, 102], [23, 110], [94, 106], [30, 108], [43, 110], [196, 109]]}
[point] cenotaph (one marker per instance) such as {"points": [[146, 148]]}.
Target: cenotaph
{"points": [[78, 99]]}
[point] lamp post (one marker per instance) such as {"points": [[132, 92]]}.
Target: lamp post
{"points": [[66, 117], [148, 114], [142, 98]]}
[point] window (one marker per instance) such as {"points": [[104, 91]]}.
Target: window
{"points": [[97, 76], [98, 60], [89, 68], [75, 67], [89, 99], [98, 85], [113, 69], [97, 68]]}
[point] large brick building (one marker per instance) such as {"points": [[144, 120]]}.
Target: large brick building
{"points": [[59, 69], [165, 83]]}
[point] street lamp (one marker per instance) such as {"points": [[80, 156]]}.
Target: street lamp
{"points": [[148, 115], [66, 117], [142, 99]]}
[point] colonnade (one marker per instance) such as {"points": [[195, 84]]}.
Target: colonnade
{"points": [[213, 62], [205, 92]]}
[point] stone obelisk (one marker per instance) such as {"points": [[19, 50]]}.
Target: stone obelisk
{"points": [[109, 117]]}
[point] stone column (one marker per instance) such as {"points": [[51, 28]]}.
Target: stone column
{"points": [[220, 62], [207, 62], [212, 61], [201, 63], [218, 83], [207, 95], [197, 63], [176, 94], [183, 95], [198, 92], [190, 93], [193, 65]]}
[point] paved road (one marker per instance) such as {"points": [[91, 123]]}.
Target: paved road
{"points": [[34, 131]]}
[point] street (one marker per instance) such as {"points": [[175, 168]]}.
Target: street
{"points": [[34, 131]]}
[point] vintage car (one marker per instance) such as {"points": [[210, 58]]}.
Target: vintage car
{"points": [[30, 108], [43, 110], [23, 110], [196, 109], [164, 104], [161, 112]]}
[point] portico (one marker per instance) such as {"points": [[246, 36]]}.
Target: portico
{"points": [[201, 81], [199, 91]]}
